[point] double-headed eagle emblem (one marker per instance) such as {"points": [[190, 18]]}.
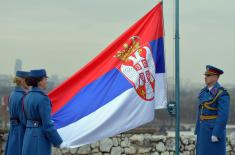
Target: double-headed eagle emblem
{"points": [[138, 67]]}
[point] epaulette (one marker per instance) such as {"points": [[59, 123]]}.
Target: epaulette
{"points": [[41, 92], [44, 94], [225, 92]]}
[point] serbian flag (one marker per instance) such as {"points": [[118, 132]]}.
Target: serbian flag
{"points": [[118, 90]]}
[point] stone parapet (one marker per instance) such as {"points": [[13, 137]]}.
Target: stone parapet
{"points": [[134, 143]]}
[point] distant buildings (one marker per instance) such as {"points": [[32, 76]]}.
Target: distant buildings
{"points": [[6, 84], [5, 81]]}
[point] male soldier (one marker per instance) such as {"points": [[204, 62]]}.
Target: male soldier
{"points": [[213, 110]]}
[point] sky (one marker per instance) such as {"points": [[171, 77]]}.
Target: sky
{"points": [[62, 36]]}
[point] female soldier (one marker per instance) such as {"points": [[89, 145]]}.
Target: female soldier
{"points": [[17, 122], [40, 132]]}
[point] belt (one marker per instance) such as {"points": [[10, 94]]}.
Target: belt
{"points": [[14, 121], [208, 117], [33, 123]]}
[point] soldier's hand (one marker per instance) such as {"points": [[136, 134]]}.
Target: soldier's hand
{"points": [[214, 139]]}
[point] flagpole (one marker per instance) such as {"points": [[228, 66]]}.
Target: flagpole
{"points": [[177, 78]]}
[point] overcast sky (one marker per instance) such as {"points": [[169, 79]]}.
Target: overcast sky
{"points": [[62, 36]]}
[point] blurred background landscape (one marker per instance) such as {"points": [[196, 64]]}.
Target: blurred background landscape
{"points": [[162, 123]]}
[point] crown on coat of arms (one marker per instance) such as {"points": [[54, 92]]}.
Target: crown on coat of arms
{"points": [[132, 45]]}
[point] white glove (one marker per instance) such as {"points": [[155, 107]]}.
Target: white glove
{"points": [[63, 145], [214, 139]]}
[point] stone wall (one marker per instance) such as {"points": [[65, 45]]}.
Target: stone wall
{"points": [[136, 144]]}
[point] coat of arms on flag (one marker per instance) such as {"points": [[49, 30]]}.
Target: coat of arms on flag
{"points": [[138, 67]]}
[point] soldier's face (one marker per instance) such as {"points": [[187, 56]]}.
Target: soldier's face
{"points": [[43, 83], [211, 79]]}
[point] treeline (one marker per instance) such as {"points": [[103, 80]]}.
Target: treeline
{"points": [[188, 105]]}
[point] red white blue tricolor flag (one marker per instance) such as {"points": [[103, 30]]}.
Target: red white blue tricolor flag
{"points": [[118, 90]]}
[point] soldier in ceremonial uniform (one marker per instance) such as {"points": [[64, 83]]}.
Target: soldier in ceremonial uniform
{"points": [[213, 111], [17, 122], [40, 132]]}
